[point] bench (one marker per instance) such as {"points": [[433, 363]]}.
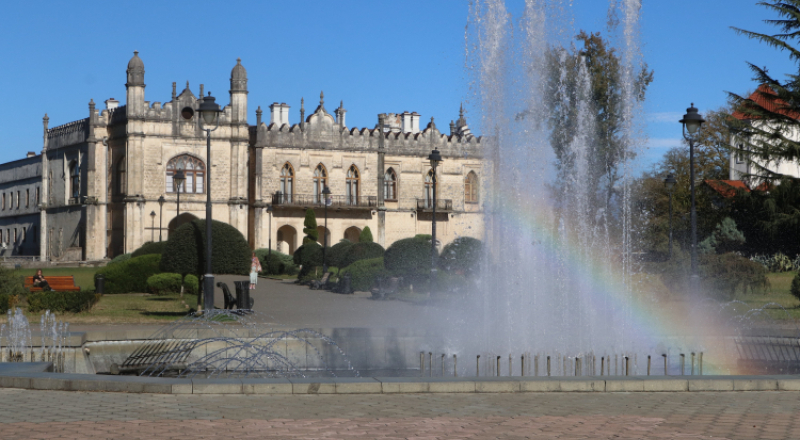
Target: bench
{"points": [[58, 284]]}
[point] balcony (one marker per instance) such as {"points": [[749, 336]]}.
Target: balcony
{"points": [[313, 201], [442, 205]]}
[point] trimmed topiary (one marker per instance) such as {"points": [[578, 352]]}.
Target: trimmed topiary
{"points": [[335, 254], [130, 276], [462, 255], [365, 236], [273, 263], [74, 302], [364, 273], [185, 252], [409, 258], [309, 256], [150, 248], [120, 259], [163, 283], [361, 251], [310, 229], [191, 284]]}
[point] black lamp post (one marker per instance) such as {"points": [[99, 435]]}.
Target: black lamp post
{"points": [[210, 111], [161, 201], [269, 251], [691, 123], [326, 192], [152, 226], [434, 158], [669, 184], [179, 178]]}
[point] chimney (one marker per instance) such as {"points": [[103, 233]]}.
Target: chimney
{"points": [[279, 114], [111, 103], [406, 116], [415, 122], [31, 154]]}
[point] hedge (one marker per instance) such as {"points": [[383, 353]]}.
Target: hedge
{"points": [[363, 273], [11, 283], [409, 258], [74, 302], [163, 283], [3, 303], [274, 263], [309, 256], [335, 254], [462, 255], [185, 252], [150, 248], [130, 276], [361, 251], [191, 284], [120, 259], [365, 235]]}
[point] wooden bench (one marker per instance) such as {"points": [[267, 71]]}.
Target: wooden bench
{"points": [[58, 284]]}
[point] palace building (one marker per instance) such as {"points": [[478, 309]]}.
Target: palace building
{"points": [[104, 185]]}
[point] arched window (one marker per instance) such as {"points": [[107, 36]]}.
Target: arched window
{"points": [[390, 185], [287, 182], [194, 171], [471, 188], [122, 177], [74, 181], [320, 182], [351, 186], [429, 189]]}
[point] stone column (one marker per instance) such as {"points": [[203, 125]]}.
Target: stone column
{"points": [[44, 197], [381, 171]]}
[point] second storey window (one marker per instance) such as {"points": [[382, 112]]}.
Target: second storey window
{"points": [[287, 182], [471, 188], [351, 188], [74, 181], [320, 182], [429, 188], [390, 185], [194, 171]]}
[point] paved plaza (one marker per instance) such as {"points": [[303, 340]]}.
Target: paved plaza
{"points": [[74, 415]]}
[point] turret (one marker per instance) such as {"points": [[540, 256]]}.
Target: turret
{"points": [[135, 86], [238, 93]]}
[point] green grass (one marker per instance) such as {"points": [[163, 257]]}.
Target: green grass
{"points": [[130, 308], [776, 293], [84, 276]]}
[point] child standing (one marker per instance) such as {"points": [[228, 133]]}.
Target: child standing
{"points": [[255, 268]]}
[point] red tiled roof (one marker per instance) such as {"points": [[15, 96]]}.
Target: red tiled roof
{"points": [[727, 188], [773, 105]]}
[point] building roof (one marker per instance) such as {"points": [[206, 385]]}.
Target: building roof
{"points": [[729, 188], [775, 105], [238, 71]]}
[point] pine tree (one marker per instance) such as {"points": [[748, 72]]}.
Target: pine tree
{"points": [[365, 236], [310, 229]]}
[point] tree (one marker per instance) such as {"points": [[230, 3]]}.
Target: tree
{"points": [[566, 102], [365, 236], [725, 238], [310, 229]]}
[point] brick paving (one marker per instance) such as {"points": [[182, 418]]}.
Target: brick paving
{"points": [[76, 415]]}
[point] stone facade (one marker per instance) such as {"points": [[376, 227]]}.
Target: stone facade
{"points": [[104, 175]]}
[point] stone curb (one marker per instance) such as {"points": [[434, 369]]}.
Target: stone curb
{"points": [[38, 376]]}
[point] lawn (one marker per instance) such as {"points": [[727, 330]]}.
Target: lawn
{"points": [[777, 296]]}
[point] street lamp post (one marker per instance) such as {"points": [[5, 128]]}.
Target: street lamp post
{"points": [[691, 123], [161, 201], [209, 110], [179, 178], [152, 226], [435, 158], [269, 251], [326, 192], [669, 184]]}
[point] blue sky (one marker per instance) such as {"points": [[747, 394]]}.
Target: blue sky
{"points": [[377, 56]]}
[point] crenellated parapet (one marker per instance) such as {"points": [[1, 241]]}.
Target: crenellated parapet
{"points": [[70, 133]]}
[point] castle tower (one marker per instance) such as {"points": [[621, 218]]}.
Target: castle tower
{"points": [[135, 86], [134, 152], [239, 140], [238, 93]]}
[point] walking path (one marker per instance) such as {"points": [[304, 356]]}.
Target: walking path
{"points": [[78, 415]]}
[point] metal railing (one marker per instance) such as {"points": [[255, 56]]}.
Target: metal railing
{"points": [[336, 201], [441, 205]]}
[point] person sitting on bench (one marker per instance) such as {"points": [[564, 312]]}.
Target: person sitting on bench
{"points": [[39, 281]]}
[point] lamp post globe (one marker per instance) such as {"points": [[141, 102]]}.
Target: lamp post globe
{"points": [[209, 111], [669, 184], [161, 201], [435, 159], [691, 123], [326, 192]]}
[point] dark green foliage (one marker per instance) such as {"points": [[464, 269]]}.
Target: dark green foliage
{"points": [[185, 252], [150, 248], [364, 273], [163, 283], [335, 254], [723, 274], [11, 283], [130, 276], [120, 259], [794, 289], [74, 302], [725, 238], [276, 264], [409, 258], [191, 284], [462, 255], [309, 256], [310, 229], [3, 303], [365, 236], [361, 251]]}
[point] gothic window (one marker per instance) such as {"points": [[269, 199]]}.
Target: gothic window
{"points": [[122, 177], [471, 188], [351, 186], [429, 189], [320, 182], [27, 197], [4, 200], [287, 182], [24, 235], [194, 171], [18, 199], [74, 181], [390, 185]]}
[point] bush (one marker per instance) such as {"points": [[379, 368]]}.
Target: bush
{"points": [[409, 258], [723, 274], [365, 236], [363, 273], [336, 253], [11, 283], [150, 248], [4, 303], [309, 256], [361, 251], [185, 252], [277, 264], [462, 255], [74, 302], [120, 259], [131, 275], [163, 283], [794, 289], [191, 284]]}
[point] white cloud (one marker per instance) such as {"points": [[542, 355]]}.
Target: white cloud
{"points": [[664, 117], [663, 143]]}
